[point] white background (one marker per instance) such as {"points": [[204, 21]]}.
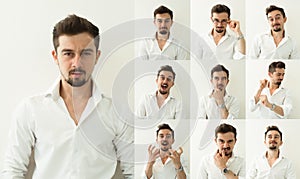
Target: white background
{"points": [[28, 67]]}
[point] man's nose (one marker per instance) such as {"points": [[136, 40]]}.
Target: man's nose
{"points": [[76, 60], [226, 145]]}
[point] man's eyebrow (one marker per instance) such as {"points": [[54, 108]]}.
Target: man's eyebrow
{"points": [[275, 16]]}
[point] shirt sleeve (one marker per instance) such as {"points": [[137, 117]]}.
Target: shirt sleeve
{"points": [[202, 173], [141, 109], [182, 54], [252, 172], [295, 53], [287, 105], [291, 172], [252, 105], [202, 112], [255, 49], [21, 143], [233, 109], [179, 111], [124, 144], [141, 51], [242, 172]]}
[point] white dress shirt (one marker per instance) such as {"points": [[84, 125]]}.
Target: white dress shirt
{"points": [[264, 47], [148, 49], [148, 108], [167, 170], [280, 97], [281, 169], [209, 170], [226, 47], [209, 109], [63, 150]]}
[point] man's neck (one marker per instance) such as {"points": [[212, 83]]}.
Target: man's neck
{"points": [[273, 86], [163, 156], [272, 154], [161, 37], [277, 35], [160, 96], [75, 93]]}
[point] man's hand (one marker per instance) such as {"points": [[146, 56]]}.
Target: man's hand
{"points": [[221, 160], [264, 100], [218, 94], [153, 154], [263, 83], [175, 156], [234, 25]]}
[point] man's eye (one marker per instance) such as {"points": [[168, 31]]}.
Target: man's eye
{"points": [[67, 54]]}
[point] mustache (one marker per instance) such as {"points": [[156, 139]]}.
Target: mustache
{"points": [[226, 148], [76, 70]]}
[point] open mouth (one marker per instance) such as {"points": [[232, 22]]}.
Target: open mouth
{"points": [[164, 143], [164, 86]]}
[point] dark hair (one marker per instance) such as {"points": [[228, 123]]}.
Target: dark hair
{"points": [[162, 10], [218, 68], [273, 128], [164, 126], [166, 68], [224, 128], [219, 8], [274, 65], [73, 25], [274, 8]]}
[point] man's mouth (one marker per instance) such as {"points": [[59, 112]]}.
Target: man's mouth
{"points": [[164, 86], [164, 143]]}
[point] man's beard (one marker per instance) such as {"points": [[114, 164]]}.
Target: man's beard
{"points": [[272, 147], [278, 83], [76, 82], [277, 29], [164, 147], [220, 30], [163, 92], [227, 154]]}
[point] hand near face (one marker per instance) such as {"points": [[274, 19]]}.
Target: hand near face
{"points": [[234, 26], [263, 83], [153, 153], [218, 94], [221, 160], [175, 156]]}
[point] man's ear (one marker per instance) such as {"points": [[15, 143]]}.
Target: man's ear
{"points": [[97, 56], [54, 55], [285, 19]]}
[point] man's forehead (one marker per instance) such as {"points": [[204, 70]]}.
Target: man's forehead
{"points": [[166, 73], [279, 70], [82, 40], [163, 16], [219, 74], [273, 132], [222, 15], [274, 13], [225, 136], [164, 132]]}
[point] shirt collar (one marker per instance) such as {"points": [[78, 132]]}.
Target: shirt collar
{"points": [[53, 91], [227, 95], [169, 39], [168, 98]]}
